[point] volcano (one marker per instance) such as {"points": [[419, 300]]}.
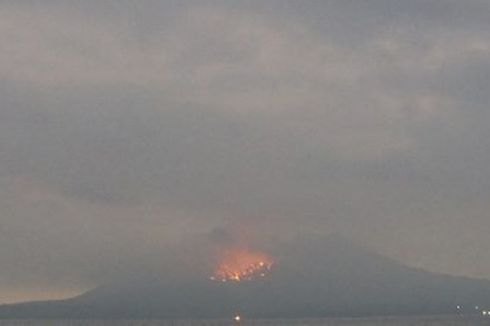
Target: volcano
{"points": [[308, 278]]}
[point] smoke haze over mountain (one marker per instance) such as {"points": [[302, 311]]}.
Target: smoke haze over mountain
{"points": [[139, 138]]}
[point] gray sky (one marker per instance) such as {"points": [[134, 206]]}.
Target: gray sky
{"points": [[130, 127]]}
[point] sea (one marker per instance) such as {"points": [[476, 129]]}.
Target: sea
{"points": [[385, 321]]}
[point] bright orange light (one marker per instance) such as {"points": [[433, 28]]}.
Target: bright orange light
{"points": [[242, 265]]}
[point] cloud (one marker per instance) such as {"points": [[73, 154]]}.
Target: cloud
{"points": [[125, 128]]}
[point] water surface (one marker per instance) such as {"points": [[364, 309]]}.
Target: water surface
{"points": [[385, 321]]}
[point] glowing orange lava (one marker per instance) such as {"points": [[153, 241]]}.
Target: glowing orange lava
{"points": [[242, 265]]}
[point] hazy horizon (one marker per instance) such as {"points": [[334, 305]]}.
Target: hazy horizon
{"points": [[141, 137]]}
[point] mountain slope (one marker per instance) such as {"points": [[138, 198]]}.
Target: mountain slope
{"points": [[312, 278]]}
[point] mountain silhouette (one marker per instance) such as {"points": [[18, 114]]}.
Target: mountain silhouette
{"points": [[313, 277]]}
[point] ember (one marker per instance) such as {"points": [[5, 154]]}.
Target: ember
{"points": [[242, 265]]}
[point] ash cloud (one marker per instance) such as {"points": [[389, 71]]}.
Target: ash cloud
{"points": [[128, 130]]}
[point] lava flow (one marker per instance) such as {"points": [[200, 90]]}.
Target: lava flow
{"points": [[242, 265]]}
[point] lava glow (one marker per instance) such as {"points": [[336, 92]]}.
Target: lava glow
{"points": [[242, 265]]}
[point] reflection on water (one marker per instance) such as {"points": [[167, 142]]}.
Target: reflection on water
{"points": [[387, 321]]}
